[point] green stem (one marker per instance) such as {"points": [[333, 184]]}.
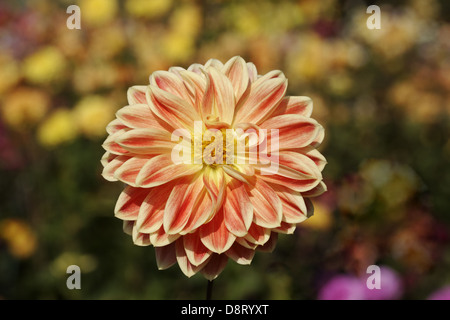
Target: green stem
{"points": [[209, 289]]}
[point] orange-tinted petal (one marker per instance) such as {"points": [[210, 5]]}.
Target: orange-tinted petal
{"points": [[139, 238], [240, 254], [130, 169], [175, 111], [236, 70], [237, 209], [267, 207], [140, 116], [196, 251], [201, 212], [185, 265], [146, 141], [111, 164], [136, 95], [224, 101], [299, 105], [265, 95], [170, 82], [129, 203], [214, 266], [215, 235], [294, 131], [256, 235], [295, 171], [270, 244], [161, 169], [180, 203], [161, 238], [165, 256], [151, 213]]}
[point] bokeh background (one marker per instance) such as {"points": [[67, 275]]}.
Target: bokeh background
{"points": [[382, 95]]}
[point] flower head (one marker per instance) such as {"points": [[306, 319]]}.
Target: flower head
{"points": [[217, 161]]}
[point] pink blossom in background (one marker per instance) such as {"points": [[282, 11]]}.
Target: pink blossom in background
{"points": [[343, 287], [391, 286], [349, 287], [441, 294]]}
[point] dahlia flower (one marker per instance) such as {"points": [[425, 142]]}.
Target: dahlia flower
{"points": [[216, 161]]}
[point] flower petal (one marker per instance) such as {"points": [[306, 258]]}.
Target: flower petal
{"points": [[294, 207], [215, 235], [111, 165], [201, 212], [316, 191], [161, 169], [256, 235], [128, 226], [196, 252], [299, 105], [214, 63], [115, 126], [146, 141], [267, 207], [214, 266], [198, 84], [111, 144], [185, 265], [130, 169], [214, 181], [161, 238], [140, 239], [295, 171], [175, 111], [170, 82], [180, 203], [270, 244], [265, 95], [140, 116], [236, 70], [286, 228], [240, 254], [252, 72], [237, 209], [294, 131], [136, 95], [224, 100], [129, 203], [151, 213], [165, 256]]}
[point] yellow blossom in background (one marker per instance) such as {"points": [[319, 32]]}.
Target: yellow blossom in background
{"points": [[98, 12], [395, 183], [246, 20], [58, 128], [147, 9], [397, 35], [310, 58], [45, 66], [9, 72], [92, 114], [178, 47], [107, 41], [86, 262], [24, 107], [94, 75], [19, 237], [186, 20], [322, 218]]}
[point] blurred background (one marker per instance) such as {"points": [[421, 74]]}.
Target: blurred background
{"points": [[382, 95]]}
